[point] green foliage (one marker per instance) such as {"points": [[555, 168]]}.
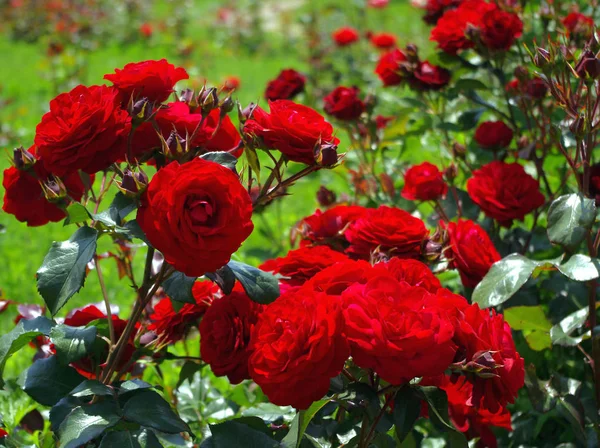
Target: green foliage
{"points": [[72, 343], [569, 219], [260, 286]]}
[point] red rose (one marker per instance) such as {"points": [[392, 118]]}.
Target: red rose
{"points": [[327, 227], [89, 365], [389, 68], [493, 135], [378, 4], [345, 36], [231, 83], [389, 230], [470, 419], [146, 30], [286, 86], [429, 77], [534, 88], [344, 104], [197, 214], [25, 198], [424, 182], [434, 9], [85, 129], [225, 333], [412, 272], [394, 331], [154, 80], [297, 346], [500, 29], [291, 128], [385, 41], [504, 191], [169, 325], [300, 265], [335, 279], [579, 25], [470, 251], [486, 347], [180, 118], [595, 182], [381, 121]]}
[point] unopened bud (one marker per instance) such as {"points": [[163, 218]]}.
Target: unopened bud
{"points": [[411, 53], [432, 251], [459, 150], [22, 158], [387, 183], [208, 100], [542, 58], [226, 106], [451, 172], [246, 113], [133, 183], [521, 73], [325, 197], [326, 154], [141, 110], [577, 127], [187, 96], [54, 189], [588, 66], [174, 144]]}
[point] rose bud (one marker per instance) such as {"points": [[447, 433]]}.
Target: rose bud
{"points": [[173, 145], [54, 189], [22, 158], [412, 53], [577, 127], [246, 113], [542, 58], [493, 135], [133, 183], [187, 96], [208, 99], [451, 172], [388, 185], [588, 66], [326, 154], [226, 106], [459, 150], [140, 111], [325, 197]]}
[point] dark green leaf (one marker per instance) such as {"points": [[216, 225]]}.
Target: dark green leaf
{"points": [[179, 287], [120, 207], [561, 332], [580, 268], [260, 286], [91, 387], [121, 439], [24, 332], [232, 434], [224, 278], [72, 343], [133, 385], [569, 219], [132, 229], [571, 409], [468, 84], [63, 271], [87, 422], [469, 119], [503, 280], [222, 158], [293, 439], [47, 380], [76, 213], [60, 410], [407, 408], [437, 402], [187, 372], [149, 409]]}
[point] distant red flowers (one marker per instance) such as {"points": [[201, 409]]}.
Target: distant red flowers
{"points": [[383, 41], [578, 25], [286, 85], [389, 67], [345, 36], [395, 67], [504, 191]]}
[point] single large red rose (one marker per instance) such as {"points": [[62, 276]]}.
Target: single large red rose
{"points": [[25, 199], [493, 135], [424, 182], [225, 333], [327, 227], [470, 251], [197, 214], [286, 86], [393, 330], [389, 68], [85, 129], [500, 29], [169, 325], [153, 80], [302, 264], [344, 103], [504, 191], [178, 117], [345, 36], [294, 129], [389, 230], [297, 346]]}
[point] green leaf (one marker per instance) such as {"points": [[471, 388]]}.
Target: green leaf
{"points": [[132, 229], [572, 410], [47, 380], [87, 422], [469, 119], [179, 287], [437, 402], [580, 268], [468, 84], [149, 409], [23, 333], [60, 410], [133, 385], [232, 434], [407, 409], [260, 286], [538, 340], [224, 278], [121, 439], [91, 387], [76, 213], [187, 372], [561, 332], [527, 318], [253, 161], [72, 343], [569, 219], [503, 280], [293, 439], [120, 207], [63, 271], [222, 158]]}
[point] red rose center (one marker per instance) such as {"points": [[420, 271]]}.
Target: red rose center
{"points": [[201, 211]]}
